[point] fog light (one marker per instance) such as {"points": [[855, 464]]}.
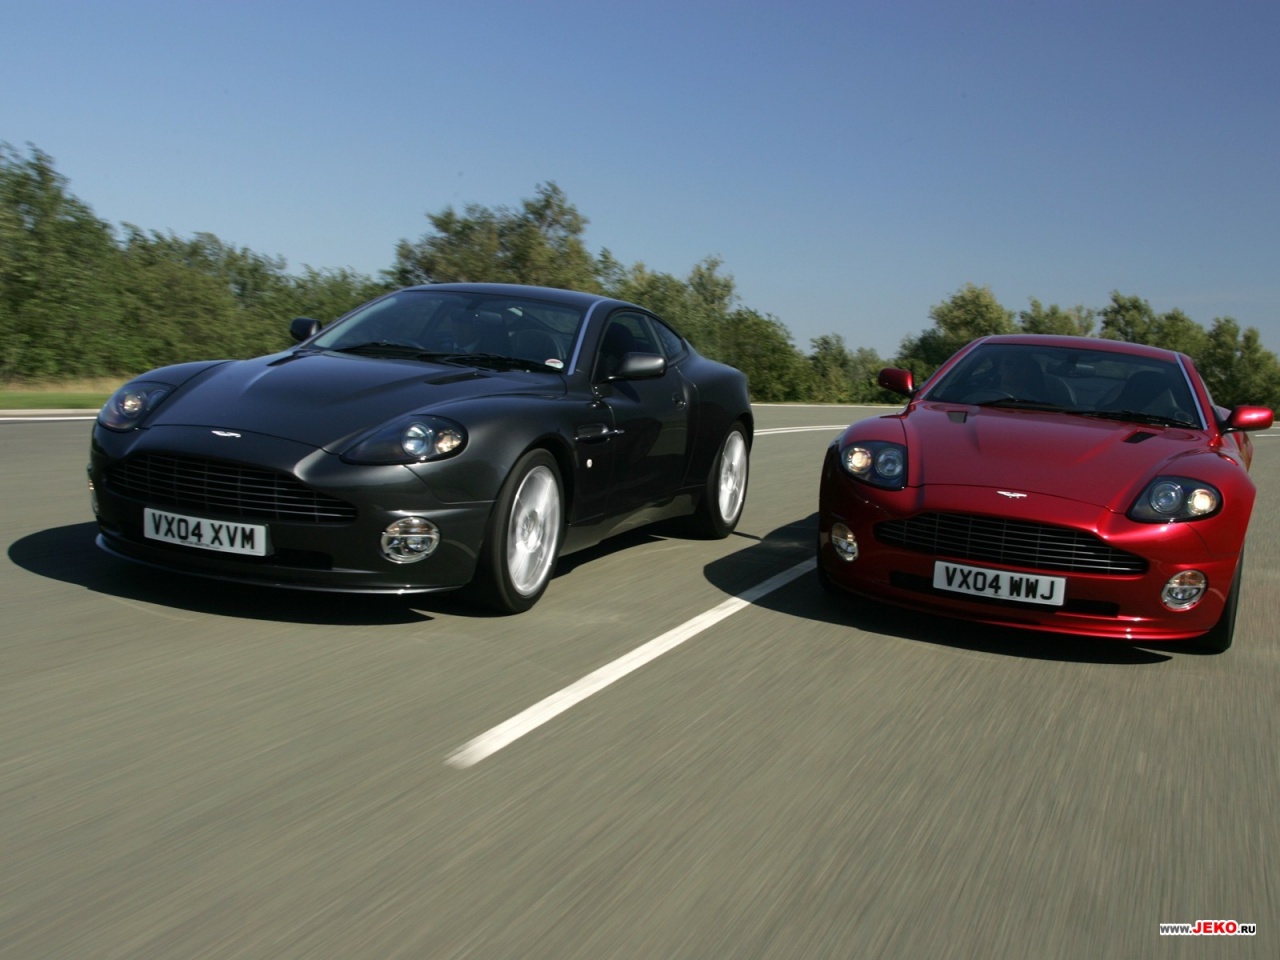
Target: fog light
{"points": [[93, 497], [409, 540], [845, 543], [1184, 590]]}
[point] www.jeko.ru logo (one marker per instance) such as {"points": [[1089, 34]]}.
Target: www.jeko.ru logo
{"points": [[1209, 928]]}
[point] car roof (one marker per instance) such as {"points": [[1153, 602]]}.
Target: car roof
{"points": [[1084, 343], [575, 298]]}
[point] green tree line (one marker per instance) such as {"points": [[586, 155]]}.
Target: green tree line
{"points": [[80, 298]]}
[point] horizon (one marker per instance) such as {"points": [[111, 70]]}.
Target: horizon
{"points": [[851, 166]]}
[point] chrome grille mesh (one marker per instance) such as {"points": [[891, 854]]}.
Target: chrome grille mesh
{"points": [[1018, 543], [217, 486]]}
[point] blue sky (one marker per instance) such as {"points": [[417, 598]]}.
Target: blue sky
{"points": [[852, 163]]}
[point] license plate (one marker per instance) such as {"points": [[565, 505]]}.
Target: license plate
{"points": [[242, 538], [1001, 584]]}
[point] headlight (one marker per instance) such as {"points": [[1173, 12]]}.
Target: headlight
{"points": [[131, 403], [1168, 499], [410, 440], [877, 462]]}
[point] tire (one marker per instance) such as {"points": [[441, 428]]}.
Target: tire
{"points": [[1218, 640], [726, 490], [523, 540]]}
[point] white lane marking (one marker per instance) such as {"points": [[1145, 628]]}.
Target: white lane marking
{"points": [[37, 419], [490, 742], [772, 430]]}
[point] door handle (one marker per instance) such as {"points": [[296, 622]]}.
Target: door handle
{"points": [[596, 431]]}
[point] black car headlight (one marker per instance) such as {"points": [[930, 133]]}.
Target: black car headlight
{"points": [[1167, 499], [410, 440], [129, 405], [877, 462]]}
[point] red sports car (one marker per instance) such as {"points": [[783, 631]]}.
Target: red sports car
{"points": [[1069, 484]]}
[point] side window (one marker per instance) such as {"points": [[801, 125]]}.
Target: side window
{"points": [[669, 340], [625, 333]]}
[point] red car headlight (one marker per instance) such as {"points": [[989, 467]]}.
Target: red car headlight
{"points": [[877, 462], [1170, 499]]}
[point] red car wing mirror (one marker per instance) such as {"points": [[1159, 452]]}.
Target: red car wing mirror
{"points": [[1249, 418], [899, 381]]}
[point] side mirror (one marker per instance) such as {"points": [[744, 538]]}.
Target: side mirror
{"points": [[640, 366], [303, 328], [899, 381], [1248, 418]]}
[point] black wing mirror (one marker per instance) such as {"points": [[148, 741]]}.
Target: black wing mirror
{"points": [[640, 366], [303, 328]]}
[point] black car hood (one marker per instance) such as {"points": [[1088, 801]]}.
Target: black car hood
{"points": [[324, 399]]}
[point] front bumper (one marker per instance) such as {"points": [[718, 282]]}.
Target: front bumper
{"points": [[335, 555], [1118, 606]]}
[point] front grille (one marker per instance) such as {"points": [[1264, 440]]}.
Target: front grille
{"points": [[1017, 543], [216, 486]]}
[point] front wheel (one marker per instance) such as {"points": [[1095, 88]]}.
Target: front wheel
{"points": [[726, 491], [523, 540]]}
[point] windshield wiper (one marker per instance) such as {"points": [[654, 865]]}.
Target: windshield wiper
{"points": [[381, 346], [487, 359], [1137, 417], [1014, 403], [396, 348]]}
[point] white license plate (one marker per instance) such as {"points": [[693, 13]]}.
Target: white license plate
{"points": [[242, 538], [1001, 584]]}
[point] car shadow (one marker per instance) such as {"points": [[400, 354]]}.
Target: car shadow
{"points": [[806, 599], [460, 603], [68, 554]]}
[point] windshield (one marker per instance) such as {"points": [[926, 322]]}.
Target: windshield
{"points": [[1100, 383], [439, 325]]}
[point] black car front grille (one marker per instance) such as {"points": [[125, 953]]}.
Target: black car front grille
{"points": [[217, 486], [1018, 543]]}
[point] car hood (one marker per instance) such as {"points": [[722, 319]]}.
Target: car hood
{"points": [[326, 399], [1078, 458]]}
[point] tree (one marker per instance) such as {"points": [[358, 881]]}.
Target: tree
{"points": [[760, 346], [704, 309], [1128, 318], [175, 303], [1075, 322], [57, 311], [1176, 331], [831, 369], [971, 312], [1236, 367], [540, 244], [328, 294]]}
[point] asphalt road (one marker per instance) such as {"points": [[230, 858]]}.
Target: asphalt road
{"points": [[202, 771]]}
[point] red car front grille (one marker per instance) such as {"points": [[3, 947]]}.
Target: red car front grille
{"points": [[1017, 543], [216, 486]]}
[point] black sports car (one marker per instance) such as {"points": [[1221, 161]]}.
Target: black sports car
{"points": [[439, 436]]}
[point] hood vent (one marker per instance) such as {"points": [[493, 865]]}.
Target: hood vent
{"points": [[1138, 436]]}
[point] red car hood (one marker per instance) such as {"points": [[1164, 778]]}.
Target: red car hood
{"points": [[1077, 458]]}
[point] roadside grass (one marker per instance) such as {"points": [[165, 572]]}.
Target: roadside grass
{"points": [[77, 395]]}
